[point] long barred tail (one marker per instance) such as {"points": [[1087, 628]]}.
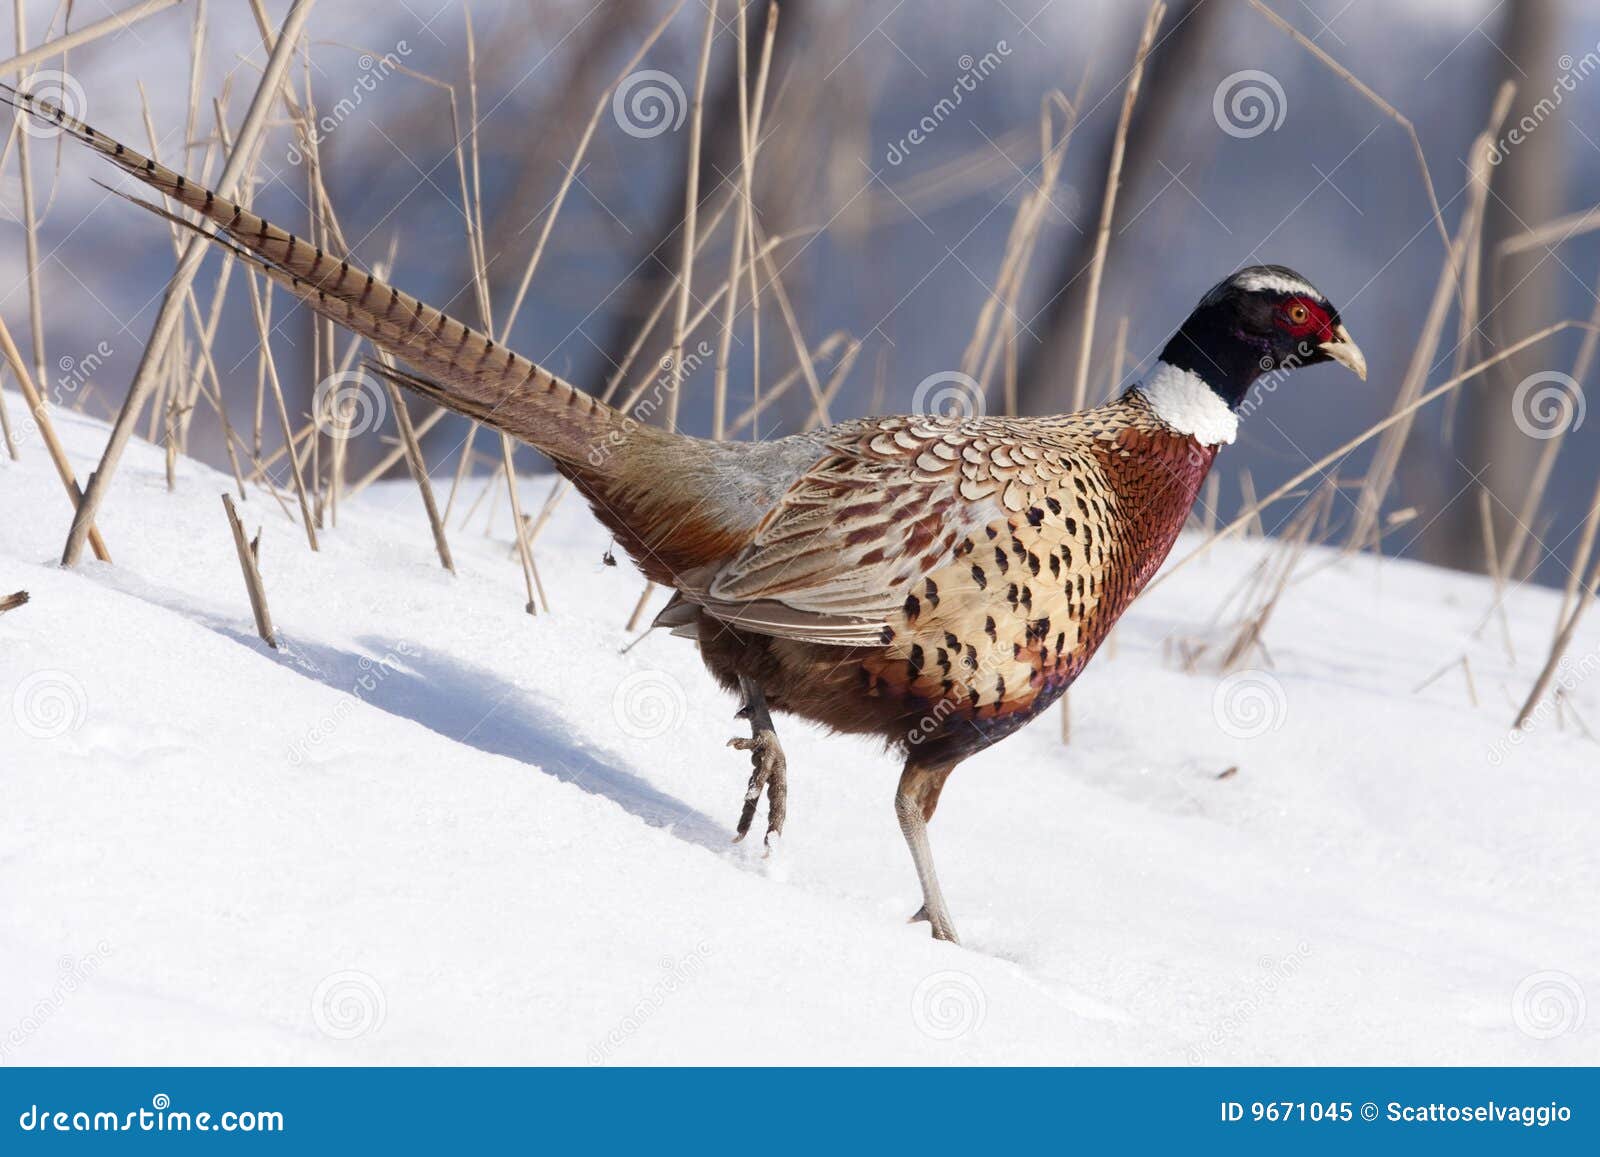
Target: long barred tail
{"points": [[457, 366]]}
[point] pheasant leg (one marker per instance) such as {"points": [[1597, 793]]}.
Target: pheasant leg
{"points": [[914, 803], [769, 768]]}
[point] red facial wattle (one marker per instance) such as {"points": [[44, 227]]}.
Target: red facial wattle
{"points": [[1307, 320]]}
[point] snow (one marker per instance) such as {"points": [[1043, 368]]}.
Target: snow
{"points": [[434, 829]]}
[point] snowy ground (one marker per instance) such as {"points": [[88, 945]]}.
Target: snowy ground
{"points": [[434, 829]]}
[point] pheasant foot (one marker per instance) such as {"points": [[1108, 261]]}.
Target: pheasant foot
{"points": [[769, 769]]}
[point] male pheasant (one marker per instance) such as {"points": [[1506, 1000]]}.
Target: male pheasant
{"points": [[934, 581]]}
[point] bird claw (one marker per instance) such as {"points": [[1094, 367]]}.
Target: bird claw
{"points": [[769, 773]]}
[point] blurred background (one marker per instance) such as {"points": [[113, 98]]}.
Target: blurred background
{"points": [[901, 169]]}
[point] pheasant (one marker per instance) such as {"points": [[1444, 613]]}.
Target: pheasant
{"points": [[933, 581]]}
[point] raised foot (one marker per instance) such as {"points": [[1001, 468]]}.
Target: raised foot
{"points": [[942, 928], [769, 773]]}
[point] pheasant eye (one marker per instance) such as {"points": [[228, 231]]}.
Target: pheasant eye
{"points": [[1299, 314]]}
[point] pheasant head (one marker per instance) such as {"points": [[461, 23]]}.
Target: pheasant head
{"points": [[1263, 319]]}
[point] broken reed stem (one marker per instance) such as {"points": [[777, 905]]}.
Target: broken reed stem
{"points": [[1102, 241], [144, 378], [638, 608], [1371, 432], [691, 209], [41, 418], [249, 557]]}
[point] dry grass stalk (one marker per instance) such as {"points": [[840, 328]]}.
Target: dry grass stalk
{"points": [[418, 465], [1275, 573], [265, 336], [994, 334], [741, 230], [1558, 650], [1387, 458], [792, 324], [249, 559], [822, 351], [554, 210], [1582, 364], [1382, 105], [691, 211], [1551, 233], [85, 35], [840, 372], [1466, 670], [167, 319], [1102, 241], [1493, 567], [1247, 495], [30, 224], [41, 418], [1119, 359], [5, 428]]}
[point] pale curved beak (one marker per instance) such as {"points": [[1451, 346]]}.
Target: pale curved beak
{"points": [[1344, 351]]}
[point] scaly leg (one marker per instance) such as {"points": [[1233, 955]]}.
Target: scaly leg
{"points": [[914, 803], [770, 768]]}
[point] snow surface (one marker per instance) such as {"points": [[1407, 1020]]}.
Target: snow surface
{"points": [[434, 829]]}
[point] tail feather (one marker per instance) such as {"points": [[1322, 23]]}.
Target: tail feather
{"points": [[458, 366]]}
